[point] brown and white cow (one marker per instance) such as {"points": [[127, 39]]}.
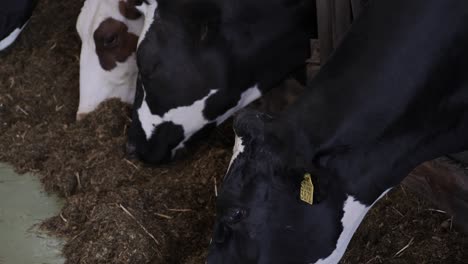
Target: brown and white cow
{"points": [[109, 31]]}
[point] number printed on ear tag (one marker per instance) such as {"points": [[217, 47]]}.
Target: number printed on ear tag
{"points": [[307, 189]]}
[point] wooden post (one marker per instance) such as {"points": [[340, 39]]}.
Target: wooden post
{"points": [[334, 20], [356, 6], [325, 31], [342, 20]]}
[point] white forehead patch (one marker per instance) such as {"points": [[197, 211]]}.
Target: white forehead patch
{"points": [[148, 11], [354, 213], [238, 149]]}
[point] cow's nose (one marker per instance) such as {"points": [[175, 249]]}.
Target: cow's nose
{"points": [[130, 150], [180, 154], [221, 233], [214, 257], [80, 116]]}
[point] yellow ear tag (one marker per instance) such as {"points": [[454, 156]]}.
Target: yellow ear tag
{"points": [[307, 189]]}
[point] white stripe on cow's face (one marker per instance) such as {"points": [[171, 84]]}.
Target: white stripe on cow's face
{"points": [[237, 149], [148, 11], [6, 42], [354, 213], [247, 97]]}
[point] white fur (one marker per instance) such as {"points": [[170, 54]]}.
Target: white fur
{"points": [[237, 149], [247, 97], [97, 84], [148, 10], [6, 42], [190, 117], [354, 213]]}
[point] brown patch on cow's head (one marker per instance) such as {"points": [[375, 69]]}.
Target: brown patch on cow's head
{"points": [[114, 43], [128, 9]]}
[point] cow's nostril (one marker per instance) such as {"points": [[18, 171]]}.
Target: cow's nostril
{"points": [[221, 233], [130, 150], [181, 153], [80, 116]]}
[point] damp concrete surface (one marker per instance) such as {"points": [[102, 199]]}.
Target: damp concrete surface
{"points": [[23, 205]]}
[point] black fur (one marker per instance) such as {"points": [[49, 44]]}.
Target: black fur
{"points": [[393, 95], [195, 46]]}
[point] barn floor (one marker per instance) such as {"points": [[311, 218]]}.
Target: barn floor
{"points": [[23, 205], [121, 211]]}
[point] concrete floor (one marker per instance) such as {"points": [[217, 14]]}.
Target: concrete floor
{"points": [[23, 204]]}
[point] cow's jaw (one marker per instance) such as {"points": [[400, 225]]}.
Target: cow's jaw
{"points": [[98, 85], [353, 214]]}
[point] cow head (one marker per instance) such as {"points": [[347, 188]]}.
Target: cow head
{"points": [[202, 60], [260, 216], [109, 31]]}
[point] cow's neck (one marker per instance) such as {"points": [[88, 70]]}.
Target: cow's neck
{"points": [[392, 96], [367, 171], [288, 45], [370, 150], [386, 100], [353, 214], [276, 68], [365, 174]]}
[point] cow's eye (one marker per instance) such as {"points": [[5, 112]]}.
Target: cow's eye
{"points": [[111, 41], [234, 215]]}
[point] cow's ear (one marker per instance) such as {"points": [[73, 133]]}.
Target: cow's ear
{"points": [[203, 19], [251, 124], [128, 8]]}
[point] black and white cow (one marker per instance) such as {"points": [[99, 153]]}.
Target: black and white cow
{"points": [[393, 95], [202, 60]]}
